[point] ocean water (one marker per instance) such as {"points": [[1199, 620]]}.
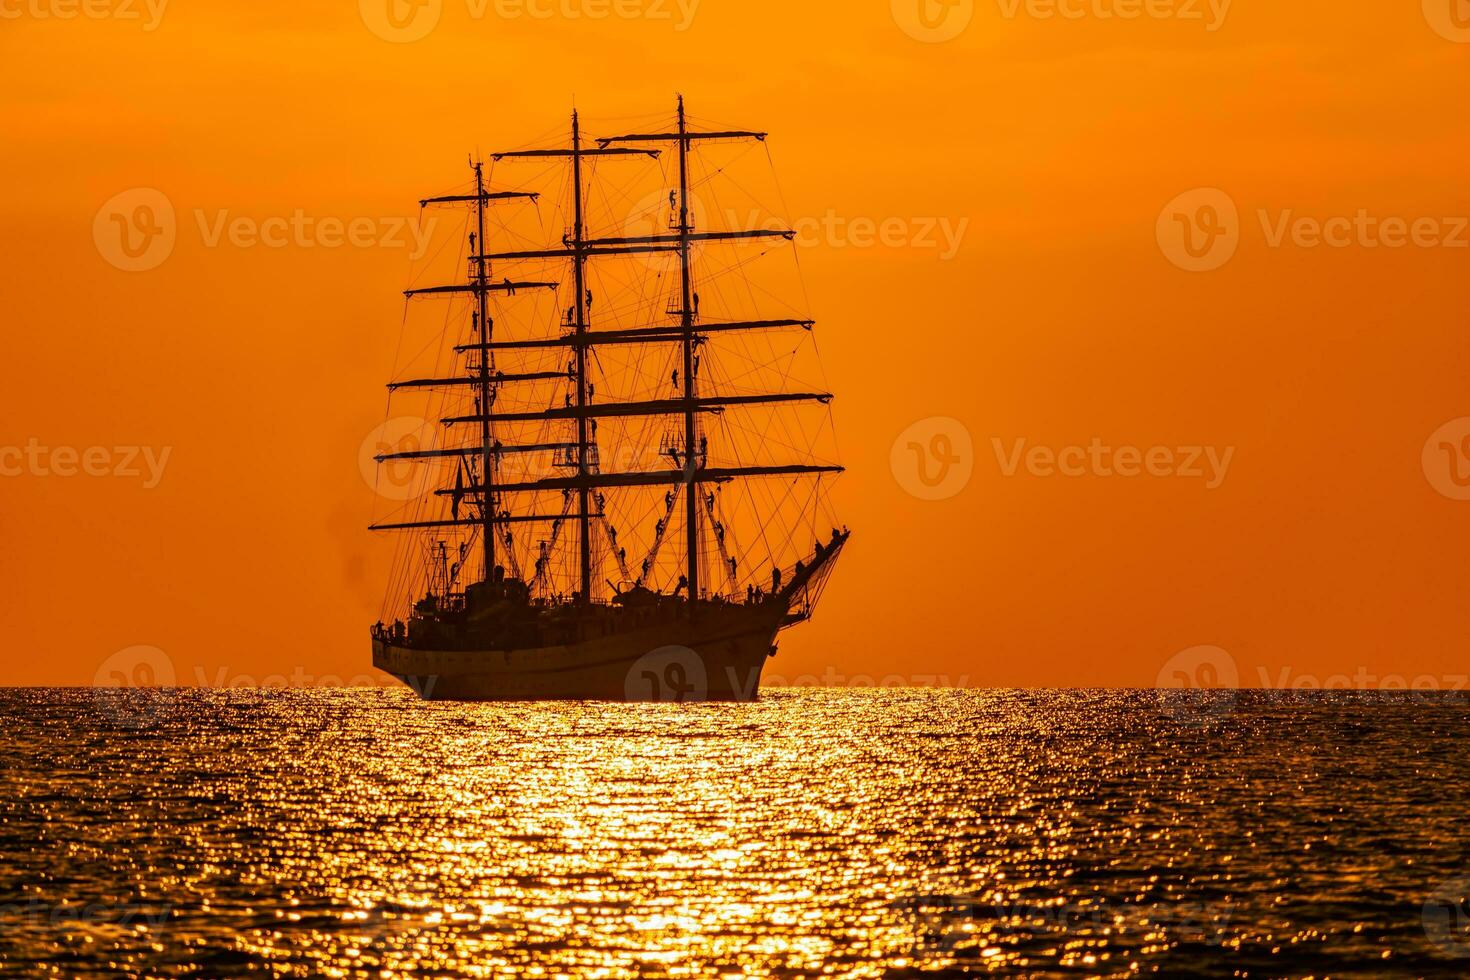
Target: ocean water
{"points": [[836, 833]]}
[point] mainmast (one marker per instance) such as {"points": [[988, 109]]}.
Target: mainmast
{"points": [[691, 510], [579, 261], [482, 321]]}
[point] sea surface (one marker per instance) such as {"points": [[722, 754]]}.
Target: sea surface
{"points": [[833, 833]]}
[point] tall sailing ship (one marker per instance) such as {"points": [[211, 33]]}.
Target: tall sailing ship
{"points": [[624, 505]]}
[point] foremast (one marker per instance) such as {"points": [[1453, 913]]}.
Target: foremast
{"points": [[480, 375], [695, 456]]}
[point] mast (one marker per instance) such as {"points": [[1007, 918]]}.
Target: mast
{"points": [[482, 321], [579, 260], [691, 510], [578, 251]]}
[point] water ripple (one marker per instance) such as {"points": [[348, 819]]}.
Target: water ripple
{"points": [[843, 833]]}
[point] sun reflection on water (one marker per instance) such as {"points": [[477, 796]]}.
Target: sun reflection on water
{"points": [[852, 834]]}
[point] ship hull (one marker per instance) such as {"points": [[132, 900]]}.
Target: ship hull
{"points": [[718, 657]]}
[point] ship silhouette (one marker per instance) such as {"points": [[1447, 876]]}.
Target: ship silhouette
{"points": [[521, 586]]}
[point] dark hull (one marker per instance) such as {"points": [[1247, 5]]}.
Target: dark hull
{"points": [[718, 657]]}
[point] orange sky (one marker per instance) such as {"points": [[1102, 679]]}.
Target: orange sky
{"points": [[1055, 142]]}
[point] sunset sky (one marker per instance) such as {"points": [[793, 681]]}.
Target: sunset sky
{"points": [[1034, 173]]}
